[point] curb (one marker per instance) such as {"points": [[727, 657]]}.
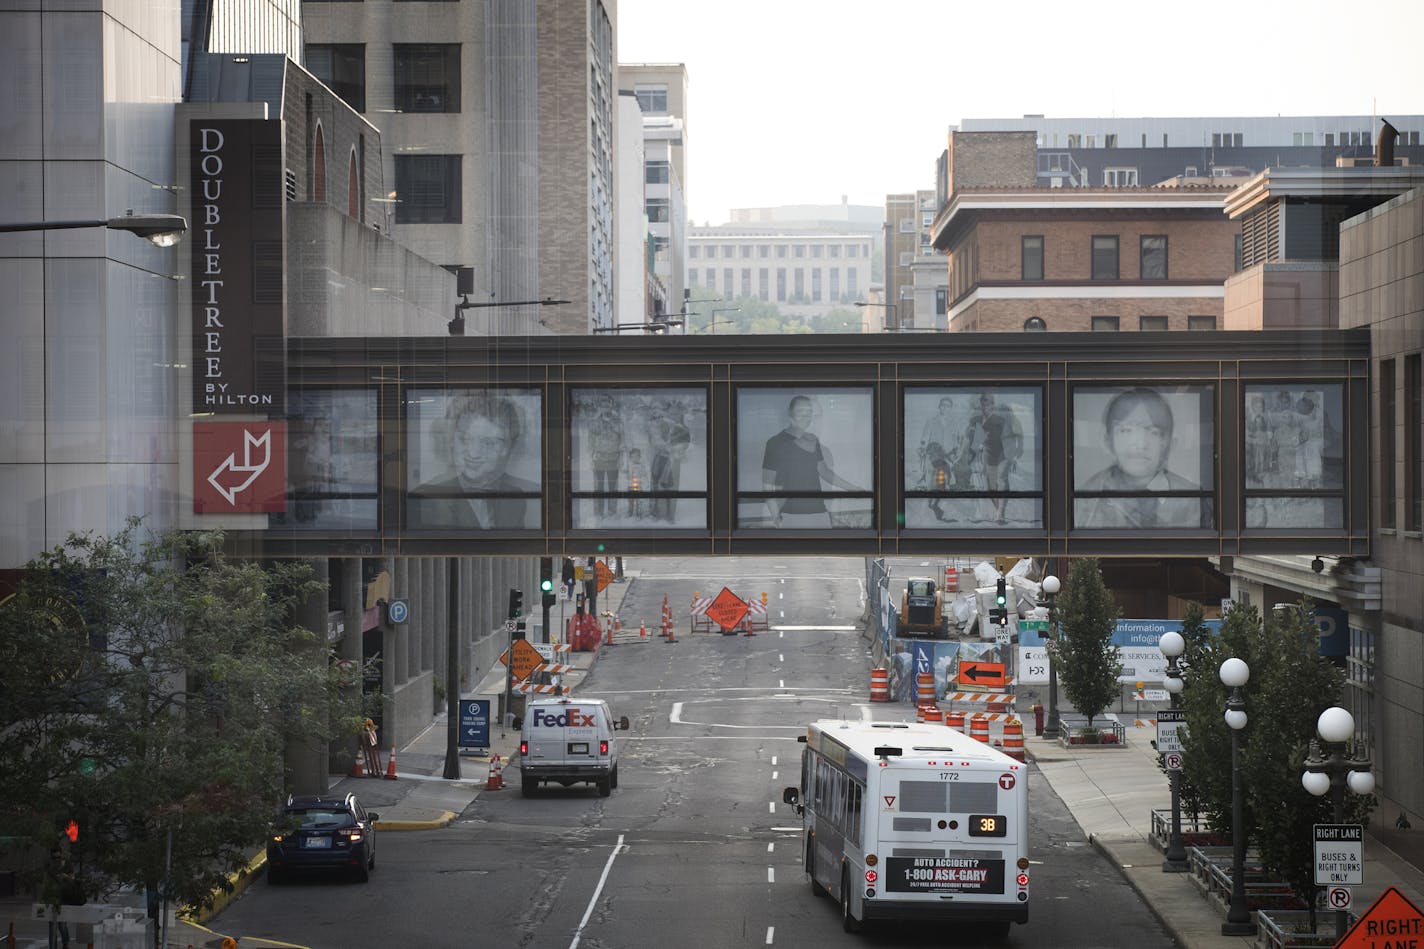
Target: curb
{"points": [[1097, 844]]}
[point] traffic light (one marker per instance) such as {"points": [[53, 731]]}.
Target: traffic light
{"points": [[516, 603], [546, 581], [999, 615]]}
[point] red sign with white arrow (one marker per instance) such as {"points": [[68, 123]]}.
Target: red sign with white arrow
{"points": [[239, 467]]}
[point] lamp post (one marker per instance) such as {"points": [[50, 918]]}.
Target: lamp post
{"points": [[1173, 645], [457, 325], [888, 306], [1330, 767], [1234, 674], [653, 328], [163, 230], [1050, 587], [713, 321]]}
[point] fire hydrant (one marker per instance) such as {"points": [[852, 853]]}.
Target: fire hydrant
{"points": [[1038, 720]]}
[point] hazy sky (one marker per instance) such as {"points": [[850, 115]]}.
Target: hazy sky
{"points": [[803, 101]]}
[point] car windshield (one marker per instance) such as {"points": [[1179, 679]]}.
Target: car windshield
{"points": [[920, 588]]}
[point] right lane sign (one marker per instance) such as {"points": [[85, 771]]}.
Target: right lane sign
{"points": [[1339, 858]]}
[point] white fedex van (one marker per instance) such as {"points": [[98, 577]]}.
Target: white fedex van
{"points": [[569, 740]]}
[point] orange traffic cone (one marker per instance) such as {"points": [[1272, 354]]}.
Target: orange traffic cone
{"points": [[356, 770], [391, 765], [643, 630], [495, 780]]}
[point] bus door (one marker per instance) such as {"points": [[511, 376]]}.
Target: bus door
{"points": [[949, 831]]}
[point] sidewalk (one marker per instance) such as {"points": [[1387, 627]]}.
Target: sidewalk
{"points": [[1112, 792]]}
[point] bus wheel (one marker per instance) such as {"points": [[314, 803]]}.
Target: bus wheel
{"points": [[817, 889], [848, 921]]}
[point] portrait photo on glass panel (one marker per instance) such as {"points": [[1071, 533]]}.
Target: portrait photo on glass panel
{"points": [[1294, 441], [1142, 457], [633, 442], [797, 444], [474, 459], [332, 460], [981, 440]]}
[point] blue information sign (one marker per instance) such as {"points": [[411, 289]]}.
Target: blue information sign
{"points": [[474, 723]]}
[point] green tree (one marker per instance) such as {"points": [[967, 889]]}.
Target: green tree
{"points": [[148, 687], [1088, 662], [1290, 685], [841, 319]]}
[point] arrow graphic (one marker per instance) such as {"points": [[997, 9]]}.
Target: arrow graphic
{"points": [[250, 468], [975, 673]]}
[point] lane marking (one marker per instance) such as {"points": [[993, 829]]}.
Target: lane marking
{"points": [[771, 848], [771, 874], [781, 683], [773, 759], [770, 931], [771, 807], [578, 933], [828, 629], [774, 774], [780, 657]]}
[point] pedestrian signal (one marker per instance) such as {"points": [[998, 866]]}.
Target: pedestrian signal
{"points": [[71, 830]]}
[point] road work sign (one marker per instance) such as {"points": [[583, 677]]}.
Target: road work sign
{"points": [[1391, 922], [727, 609], [1339, 854]]}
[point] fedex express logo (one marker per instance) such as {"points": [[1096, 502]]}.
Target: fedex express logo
{"points": [[569, 718]]}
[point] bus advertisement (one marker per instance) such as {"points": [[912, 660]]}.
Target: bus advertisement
{"points": [[913, 821]]}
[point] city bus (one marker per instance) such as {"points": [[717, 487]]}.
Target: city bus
{"points": [[913, 821]]}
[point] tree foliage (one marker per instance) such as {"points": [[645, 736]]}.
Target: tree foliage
{"points": [[1289, 686], [148, 688], [1087, 662]]}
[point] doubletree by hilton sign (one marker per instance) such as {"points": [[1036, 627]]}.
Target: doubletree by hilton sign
{"points": [[238, 247]]}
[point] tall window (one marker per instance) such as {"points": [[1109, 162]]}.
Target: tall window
{"points": [[1032, 253], [342, 68], [816, 285], [1413, 451], [764, 283], [835, 288], [1387, 428], [800, 293], [427, 77], [1154, 257], [428, 189], [1105, 257], [781, 284]]}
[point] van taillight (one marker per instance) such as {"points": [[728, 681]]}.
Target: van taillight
{"points": [[603, 747], [524, 747]]}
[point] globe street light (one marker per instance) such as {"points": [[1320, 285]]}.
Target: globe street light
{"points": [[1173, 645], [1329, 767], [163, 230], [1234, 674], [1050, 587]]}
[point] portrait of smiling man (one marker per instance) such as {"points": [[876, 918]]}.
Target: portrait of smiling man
{"points": [[484, 435]]}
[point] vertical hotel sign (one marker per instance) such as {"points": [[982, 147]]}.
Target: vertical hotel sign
{"points": [[239, 339]]}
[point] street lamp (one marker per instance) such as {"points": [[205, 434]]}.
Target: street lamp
{"points": [[712, 323], [163, 230], [1234, 674], [895, 317], [457, 325], [1050, 587], [653, 328], [1173, 645], [1329, 767]]}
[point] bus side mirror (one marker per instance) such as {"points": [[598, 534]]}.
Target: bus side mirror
{"points": [[790, 796], [623, 723]]}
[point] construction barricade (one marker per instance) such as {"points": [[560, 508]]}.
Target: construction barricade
{"points": [[924, 688], [979, 728], [1014, 739], [879, 685], [954, 720], [933, 716]]}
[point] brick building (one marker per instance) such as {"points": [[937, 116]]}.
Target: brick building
{"points": [[1027, 257]]}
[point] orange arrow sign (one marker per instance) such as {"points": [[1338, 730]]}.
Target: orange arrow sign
{"points": [[989, 674], [1391, 915], [526, 658]]}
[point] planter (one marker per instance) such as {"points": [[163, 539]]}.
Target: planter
{"points": [[1290, 929]]}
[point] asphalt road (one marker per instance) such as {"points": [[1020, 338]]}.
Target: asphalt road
{"points": [[694, 849]]}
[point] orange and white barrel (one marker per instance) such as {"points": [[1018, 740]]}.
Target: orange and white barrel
{"points": [[924, 688], [933, 716], [879, 685], [1014, 739], [955, 720], [979, 728]]}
